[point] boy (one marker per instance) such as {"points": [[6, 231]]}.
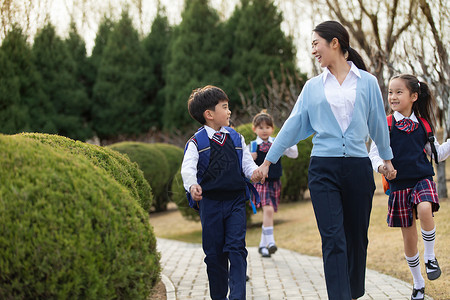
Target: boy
{"points": [[220, 193]]}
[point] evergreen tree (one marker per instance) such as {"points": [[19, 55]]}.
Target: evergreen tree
{"points": [[104, 30], [25, 105], [197, 59], [156, 45], [119, 106], [77, 49], [58, 71], [259, 47]]}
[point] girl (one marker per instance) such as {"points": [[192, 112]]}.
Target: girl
{"points": [[270, 191], [341, 107], [413, 193]]}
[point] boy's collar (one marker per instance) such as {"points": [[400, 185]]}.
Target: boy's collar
{"points": [[210, 131], [260, 140]]}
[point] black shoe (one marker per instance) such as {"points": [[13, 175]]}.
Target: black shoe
{"points": [[416, 291], [272, 248], [433, 270], [247, 278]]}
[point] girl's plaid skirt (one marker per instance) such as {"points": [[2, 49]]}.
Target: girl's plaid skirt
{"points": [[269, 192], [402, 202]]}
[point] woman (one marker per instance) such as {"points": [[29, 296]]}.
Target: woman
{"points": [[341, 107]]}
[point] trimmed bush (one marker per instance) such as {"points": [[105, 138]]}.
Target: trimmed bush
{"points": [[116, 164], [174, 156], [69, 230], [155, 166], [179, 197]]}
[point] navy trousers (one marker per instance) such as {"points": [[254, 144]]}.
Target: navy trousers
{"points": [[341, 191], [223, 239]]}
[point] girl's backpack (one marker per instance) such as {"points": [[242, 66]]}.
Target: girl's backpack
{"points": [[201, 139], [430, 137]]}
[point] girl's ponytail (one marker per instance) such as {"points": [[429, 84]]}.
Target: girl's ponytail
{"points": [[425, 103]]}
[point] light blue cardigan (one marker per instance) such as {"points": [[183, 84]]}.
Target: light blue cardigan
{"points": [[312, 114]]}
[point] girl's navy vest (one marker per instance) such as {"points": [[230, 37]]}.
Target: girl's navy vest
{"points": [[410, 159], [275, 170]]}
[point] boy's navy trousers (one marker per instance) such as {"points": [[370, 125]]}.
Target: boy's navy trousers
{"points": [[341, 191], [223, 239]]}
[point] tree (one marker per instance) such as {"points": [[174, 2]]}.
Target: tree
{"points": [[376, 26], [25, 107], [197, 59], [58, 71], [119, 106], [259, 48], [156, 46]]}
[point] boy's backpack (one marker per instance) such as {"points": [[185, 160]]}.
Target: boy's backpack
{"points": [[204, 150], [430, 138]]}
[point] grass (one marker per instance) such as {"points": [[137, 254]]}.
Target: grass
{"points": [[295, 229]]}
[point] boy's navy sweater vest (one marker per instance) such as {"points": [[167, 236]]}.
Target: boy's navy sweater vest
{"points": [[410, 159], [275, 170], [223, 179]]}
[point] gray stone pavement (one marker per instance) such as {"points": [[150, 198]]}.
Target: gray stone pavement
{"points": [[286, 275]]}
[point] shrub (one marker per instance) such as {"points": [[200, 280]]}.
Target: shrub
{"points": [[69, 230], [153, 163], [174, 156], [179, 197], [117, 165]]}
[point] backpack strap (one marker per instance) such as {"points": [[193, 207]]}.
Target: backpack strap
{"points": [[430, 137]]}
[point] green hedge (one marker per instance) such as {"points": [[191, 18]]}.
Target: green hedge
{"points": [[152, 161], [179, 197], [69, 230], [117, 165], [174, 156]]}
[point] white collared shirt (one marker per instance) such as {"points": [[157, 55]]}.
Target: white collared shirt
{"points": [[341, 97], [190, 160], [443, 151], [291, 152]]}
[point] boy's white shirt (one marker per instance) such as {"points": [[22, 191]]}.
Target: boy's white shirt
{"points": [[291, 152], [443, 151], [190, 160]]}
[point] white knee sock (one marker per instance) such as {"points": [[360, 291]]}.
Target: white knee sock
{"points": [[263, 242], [428, 243], [414, 266], [268, 232]]}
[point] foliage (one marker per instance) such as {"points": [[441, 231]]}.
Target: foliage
{"points": [[24, 106], [258, 48], [68, 97], [69, 230], [116, 165], [156, 46], [155, 166], [119, 106], [179, 197], [197, 59]]}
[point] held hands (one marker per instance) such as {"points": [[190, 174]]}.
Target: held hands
{"points": [[261, 173], [387, 169], [196, 192]]}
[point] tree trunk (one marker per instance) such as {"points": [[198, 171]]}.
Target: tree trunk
{"points": [[442, 182]]}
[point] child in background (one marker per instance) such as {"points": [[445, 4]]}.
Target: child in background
{"points": [[220, 190], [413, 193], [270, 190]]}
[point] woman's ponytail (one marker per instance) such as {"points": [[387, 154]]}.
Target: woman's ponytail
{"points": [[354, 56]]}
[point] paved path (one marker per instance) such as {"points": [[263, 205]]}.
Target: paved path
{"points": [[286, 275]]}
